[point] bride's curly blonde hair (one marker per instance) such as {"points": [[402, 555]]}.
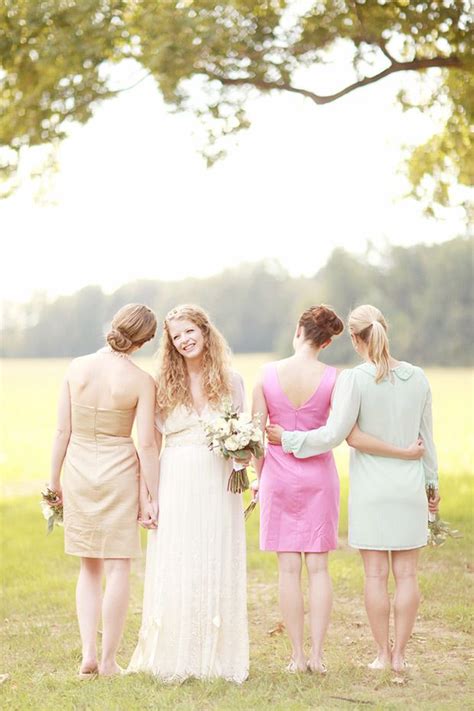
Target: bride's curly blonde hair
{"points": [[172, 376]]}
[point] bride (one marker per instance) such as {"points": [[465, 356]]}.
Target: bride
{"points": [[194, 620]]}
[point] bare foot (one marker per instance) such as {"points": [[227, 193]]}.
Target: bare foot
{"points": [[296, 666], [110, 669], [399, 664], [316, 666], [88, 668], [380, 662]]}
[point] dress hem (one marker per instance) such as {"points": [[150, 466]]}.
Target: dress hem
{"points": [[180, 678], [297, 550], [102, 556], [387, 548]]}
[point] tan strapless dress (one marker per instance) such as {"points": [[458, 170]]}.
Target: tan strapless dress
{"points": [[100, 485]]}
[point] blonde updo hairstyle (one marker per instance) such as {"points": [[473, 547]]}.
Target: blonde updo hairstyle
{"points": [[367, 323], [172, 375], [132, 326], [320, 324]]}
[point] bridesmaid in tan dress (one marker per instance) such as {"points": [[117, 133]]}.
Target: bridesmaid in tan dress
{"points": [[101, 395]]}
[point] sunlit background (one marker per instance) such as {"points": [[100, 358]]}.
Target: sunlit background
{"points": [[133, 197]]}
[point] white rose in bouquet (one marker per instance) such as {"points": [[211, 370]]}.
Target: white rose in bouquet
{"points": [[243, 440], [244, 419], [232, 443], [233, 435]]}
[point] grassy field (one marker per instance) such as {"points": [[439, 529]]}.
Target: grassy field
{"points": [[40, 640]]}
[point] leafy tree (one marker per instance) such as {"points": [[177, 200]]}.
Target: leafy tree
{"points": [[208, 56]]}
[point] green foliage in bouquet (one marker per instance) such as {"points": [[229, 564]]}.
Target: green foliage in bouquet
{"points": [[235, 435], [438, 530], [52, 508]]}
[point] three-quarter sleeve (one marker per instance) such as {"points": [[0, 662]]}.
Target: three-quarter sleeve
{"points": [[430, 460], [344, 414], [238, 392]]}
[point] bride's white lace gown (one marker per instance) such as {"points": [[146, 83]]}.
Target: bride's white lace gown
{"points": [[195, 600]]}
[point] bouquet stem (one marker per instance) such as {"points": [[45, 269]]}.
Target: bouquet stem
{"points": [[249, 509], [238, 481]]}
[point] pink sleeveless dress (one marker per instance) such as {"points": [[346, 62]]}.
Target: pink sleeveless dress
{"points": [[299, 498]]}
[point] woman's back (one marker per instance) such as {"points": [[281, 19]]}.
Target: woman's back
{"points": [[299, 378], [105, 380], [388, 506], [392, 409], [299, 500], [298, 394]]}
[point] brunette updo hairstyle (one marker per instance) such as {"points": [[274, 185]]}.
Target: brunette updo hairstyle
{"points": [[320, 324], [133, 325]]}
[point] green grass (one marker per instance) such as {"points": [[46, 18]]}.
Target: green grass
{"points": [[40, 639]]}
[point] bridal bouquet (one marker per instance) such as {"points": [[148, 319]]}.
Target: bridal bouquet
{"points": [[438, 530], [235, 436], [52, 508]]}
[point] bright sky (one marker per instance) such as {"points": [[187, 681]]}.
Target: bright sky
{"points": [[134, 199]]}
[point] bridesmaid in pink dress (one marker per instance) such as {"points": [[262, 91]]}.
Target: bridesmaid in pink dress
{"points": [[299, 498]]}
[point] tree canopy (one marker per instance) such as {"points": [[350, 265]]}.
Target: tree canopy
{"points": [[209, 56]]}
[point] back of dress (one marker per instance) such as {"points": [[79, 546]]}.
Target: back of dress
{"points": [[388, 506], [299, 499], [387, 502], [100, 486], [312, 414]]}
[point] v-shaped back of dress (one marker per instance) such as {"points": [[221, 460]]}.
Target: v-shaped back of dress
{"points": [[91, 422], [311, 414]]}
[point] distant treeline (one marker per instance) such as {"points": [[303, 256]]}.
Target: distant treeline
{"points": [[425, 292]]}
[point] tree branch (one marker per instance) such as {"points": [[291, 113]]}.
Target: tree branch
{"points": [[132, 86], [415, 65]]}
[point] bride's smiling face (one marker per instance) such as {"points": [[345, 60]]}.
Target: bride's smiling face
{"points": [[186, 337]]}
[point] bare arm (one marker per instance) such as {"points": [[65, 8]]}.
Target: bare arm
{"points": [[147, 445], [372, 445], [148, 517], [61, 437], [259, 407]]}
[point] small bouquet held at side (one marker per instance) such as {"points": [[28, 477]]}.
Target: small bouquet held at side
{"points": [[438, 530], [235, 436], [52, 508]]}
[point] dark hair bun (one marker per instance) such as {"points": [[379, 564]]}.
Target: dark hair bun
{"points": [[320, 324], [118, 340], [327, 320]]}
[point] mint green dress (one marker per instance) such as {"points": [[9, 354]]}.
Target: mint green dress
{"points": [[388, 508]]}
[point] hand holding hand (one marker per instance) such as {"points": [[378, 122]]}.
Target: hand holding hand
{"points": [[148, 517], [416, 450], [274, 433]]}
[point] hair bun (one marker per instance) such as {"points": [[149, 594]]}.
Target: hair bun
{"points": [[118, 340], [320, 324], [327, 320]]}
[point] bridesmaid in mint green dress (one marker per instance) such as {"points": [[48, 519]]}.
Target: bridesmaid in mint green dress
{"points": [[388, 508]]}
